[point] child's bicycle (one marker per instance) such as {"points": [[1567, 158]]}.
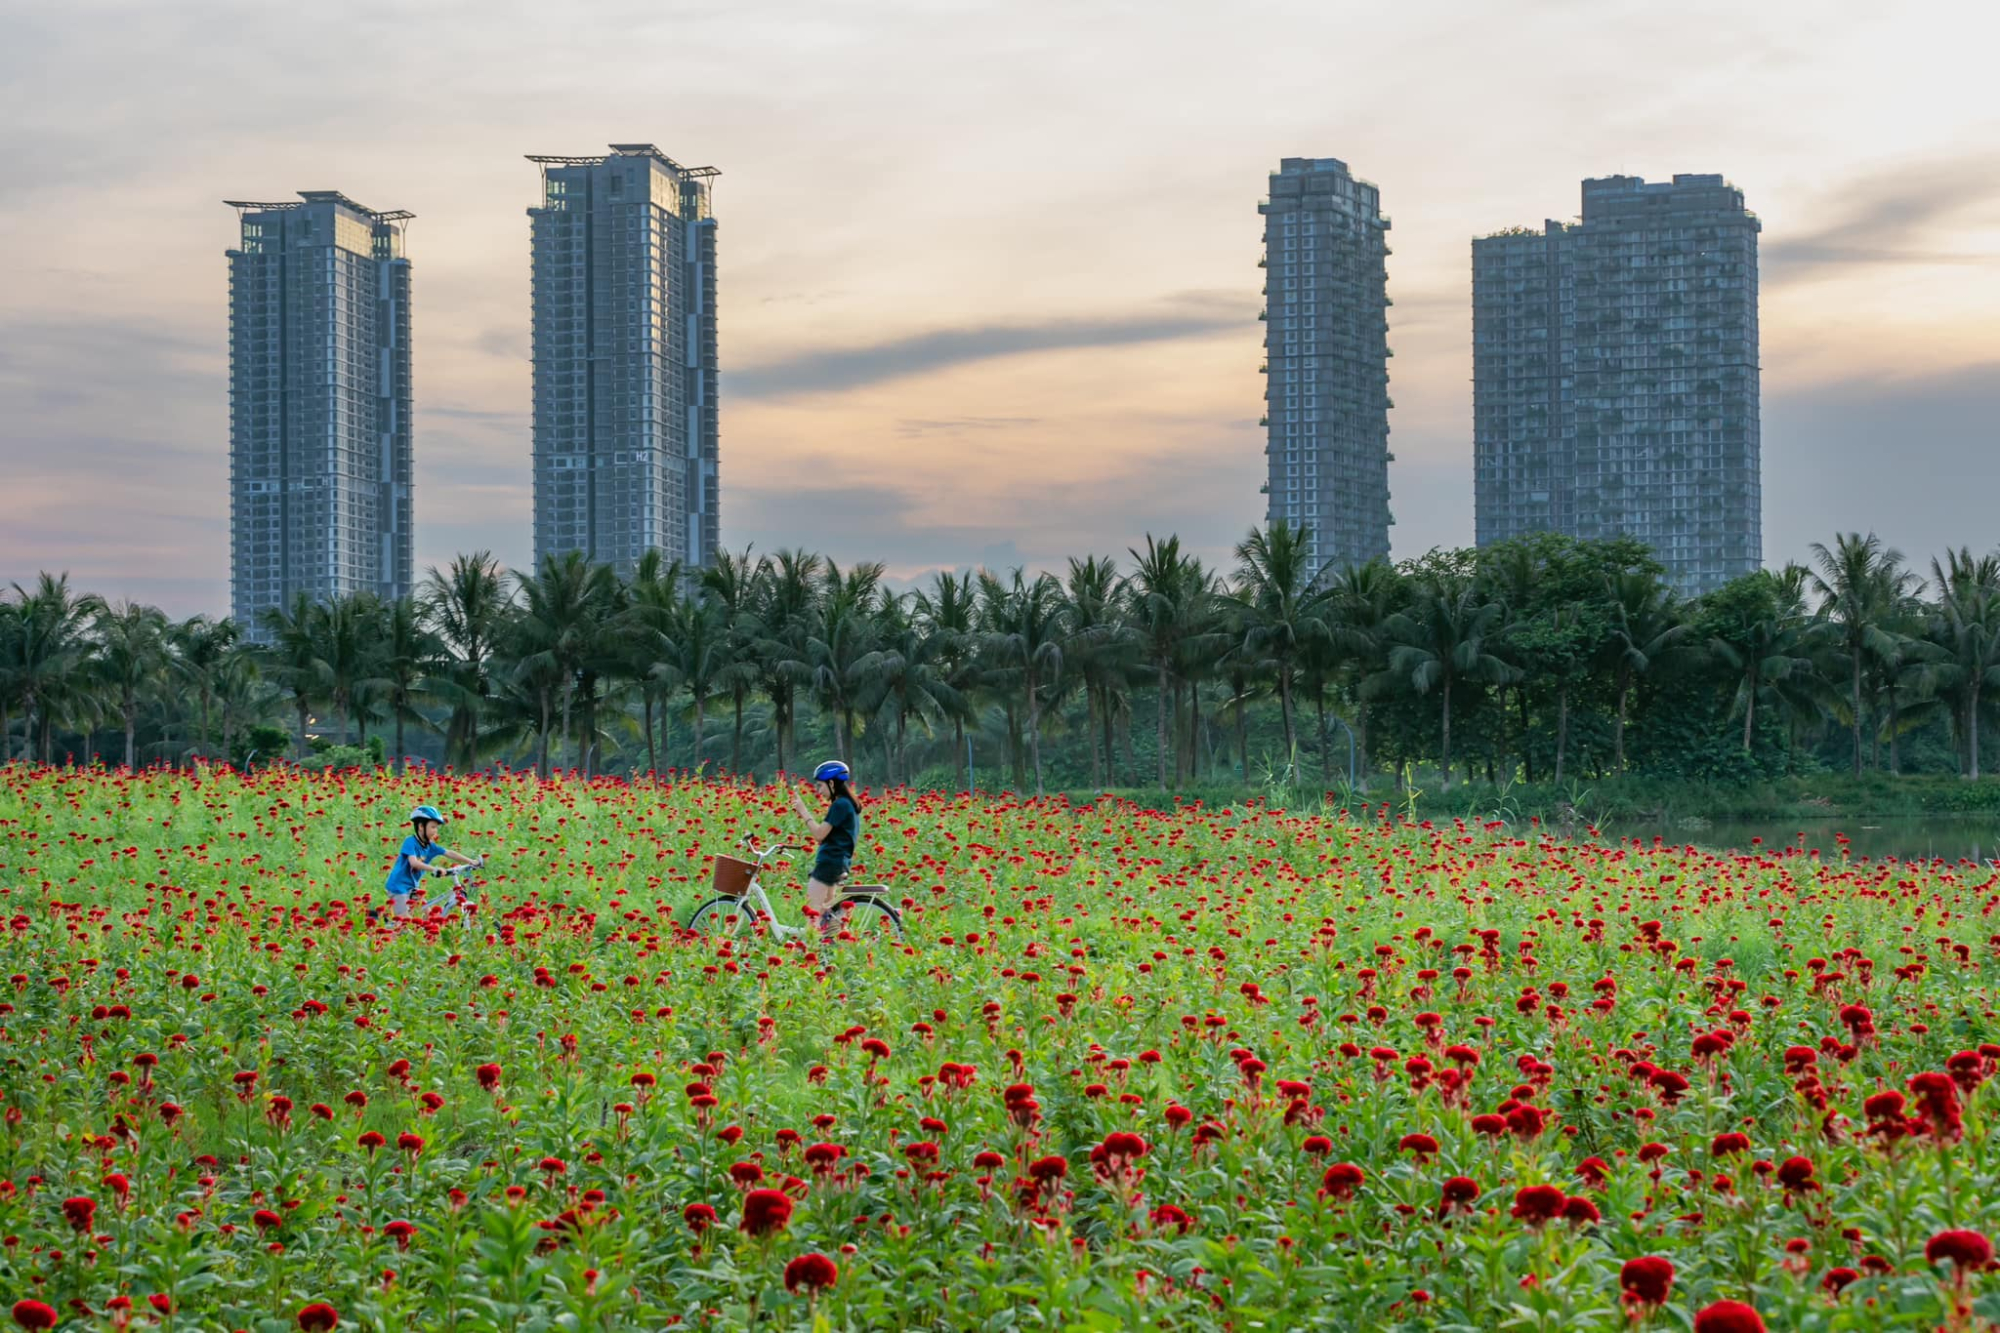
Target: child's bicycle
{"points": [[451, 904], [739, 902]]}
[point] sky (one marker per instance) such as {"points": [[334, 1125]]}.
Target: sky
{"points": [[988, 271]]}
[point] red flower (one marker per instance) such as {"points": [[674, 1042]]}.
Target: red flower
{"points": [[814, 1272], [371, 1140], [1796, 1174], [1837, 1280], [765, 1212], [1581, 1211], [34, 1314], [1046, 1169], [1341, 1180], [1647, 1280], [410, 1143], [699, 1217], [401, 1232], [1423, 1145], [1316, 1145], [1725, 1144], [989, 1160], [319, 1317], [1168, 1215], [161, 1302], [1458, 1195], [265, 1219], [553, 1166], [1536, 1204], [1969, 1251], [489, 1076], [1728, 1317], [79, 1213]]}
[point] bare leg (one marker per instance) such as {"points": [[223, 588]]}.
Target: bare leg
{"points": [[819, 897]]}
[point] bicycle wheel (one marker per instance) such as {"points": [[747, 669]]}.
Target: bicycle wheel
{"points": [[722, 916], [867, 919]]}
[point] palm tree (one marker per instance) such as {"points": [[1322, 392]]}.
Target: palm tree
{"points": [[1645, 626], [293, 659], [131, 659], [945, 617], [786, 607], [1169, 596], [842, 638], [347, 634], [1099, 649], [48, 643], [567, 606], [1361, 599], [1443, 641], [1965, 626], [466, 607], [10, 674], [654, 606], [1861, 583], [200, 647], [1280, 604], [698, 659], [408, 658], [1761, 633], [1027, 638], [730, 585]]}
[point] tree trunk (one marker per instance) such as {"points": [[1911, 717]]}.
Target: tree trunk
{"points": [[6, 734], [1972, 733], [131, 712], [568, 745], [1447, 736], [1109, 723], [1618, 726], [1527, 736], [736, 736], [1856, 701], [1163, 725], [1035, 732], [204, 717], [700, 713], [1361, 741], [303, 711], [778, 721], [1090, 735], [958, 754], [1285, 708], [1895, 717], [1243, 733], [1562, 728], [1749, 710], [1195, 736], [542, 737], [399, 766], [652, 751], [1325, 740]]}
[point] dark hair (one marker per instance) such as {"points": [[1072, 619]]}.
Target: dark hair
{"points": [[840, 789]]}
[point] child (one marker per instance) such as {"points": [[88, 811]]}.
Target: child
{"points": [[419, 851]]}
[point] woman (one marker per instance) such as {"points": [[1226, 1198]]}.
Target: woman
{"points": [[835, 834]]}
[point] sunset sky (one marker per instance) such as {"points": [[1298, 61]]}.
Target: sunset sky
{"points": [[988, 271]]}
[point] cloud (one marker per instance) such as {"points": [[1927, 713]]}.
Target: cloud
{"points": [[841, 369], [1888, 217], [918, 427], [1914, 459]]}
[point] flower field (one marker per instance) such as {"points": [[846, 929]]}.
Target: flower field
{"points": [[1221, 1069]]}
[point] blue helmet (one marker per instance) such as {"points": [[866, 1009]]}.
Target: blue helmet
{"points": [[833, 770], [426, 812]]}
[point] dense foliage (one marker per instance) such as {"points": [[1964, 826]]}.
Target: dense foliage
{"points": [[1538, 661], [1208, 1069]]}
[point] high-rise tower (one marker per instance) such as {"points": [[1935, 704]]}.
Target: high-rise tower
{"points": [[319, 404], [626, 417], [1326, 346], [1615, 376]]}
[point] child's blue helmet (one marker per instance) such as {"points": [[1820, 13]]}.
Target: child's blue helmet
{"points": [[426, 812], [833, 770]]}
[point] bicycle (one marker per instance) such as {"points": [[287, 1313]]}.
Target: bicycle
{"points": [[456, 902], [739, 903]]}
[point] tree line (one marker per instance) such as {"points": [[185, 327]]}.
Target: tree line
{"points": [[1535, 659]]}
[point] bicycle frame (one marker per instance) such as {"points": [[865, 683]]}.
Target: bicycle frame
{"points": [[753, 894]]}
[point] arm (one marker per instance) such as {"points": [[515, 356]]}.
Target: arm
{"points": [[457, 859], [817, 829]]}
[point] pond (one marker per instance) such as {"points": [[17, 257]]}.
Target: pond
{"points": [[1907, 839]]}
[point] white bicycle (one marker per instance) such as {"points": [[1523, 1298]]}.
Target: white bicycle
{"points": [[453, 903], [740, 904]]}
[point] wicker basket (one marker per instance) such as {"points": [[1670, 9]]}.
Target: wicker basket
{"points": [[732, 876]]}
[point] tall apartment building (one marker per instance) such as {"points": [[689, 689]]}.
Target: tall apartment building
{"points": [[626, 422], [1615, 377], [1326, 346], [319, 404]]}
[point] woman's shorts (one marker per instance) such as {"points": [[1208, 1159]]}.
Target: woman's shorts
{"points": [[829, 873]]}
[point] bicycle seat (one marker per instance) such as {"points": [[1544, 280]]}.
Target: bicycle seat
{"points": [[863, 890]]}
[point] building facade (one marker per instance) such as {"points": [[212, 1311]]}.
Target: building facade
{"points": [[1615, 376], [626, 418], [320, 449], [1326, 347]]}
